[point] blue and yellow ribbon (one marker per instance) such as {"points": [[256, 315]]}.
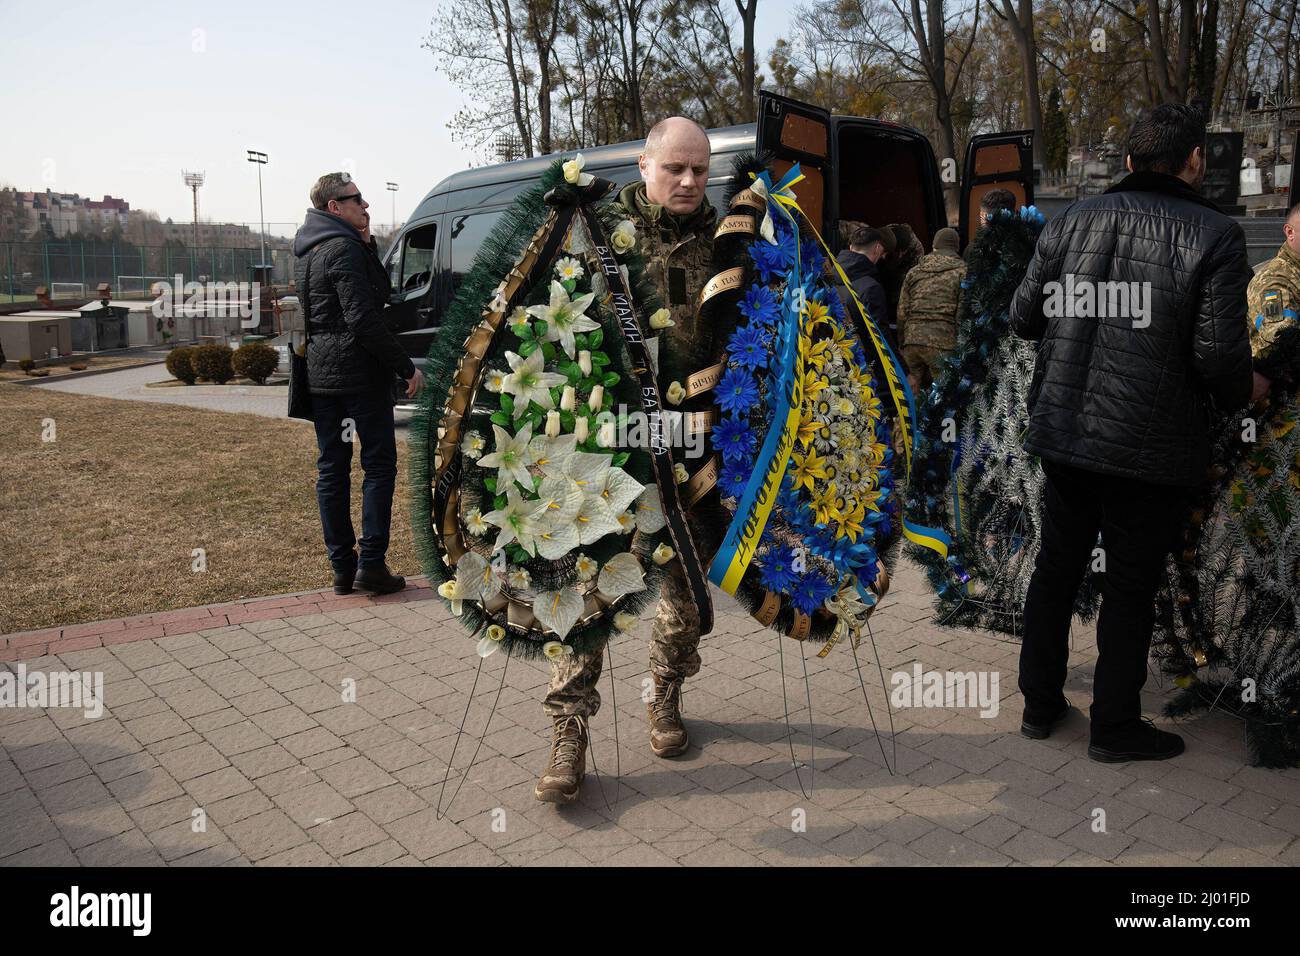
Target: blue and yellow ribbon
{"points": [[740, 543]]}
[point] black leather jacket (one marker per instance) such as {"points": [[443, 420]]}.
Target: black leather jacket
{"points": [[1132, 394], [350, 349]]}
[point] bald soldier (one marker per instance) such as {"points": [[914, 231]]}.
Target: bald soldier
{"points": [[1273, 308], [674, 223]]}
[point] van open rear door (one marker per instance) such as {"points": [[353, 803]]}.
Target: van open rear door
{"points": [[995, 161], [793, 132]]}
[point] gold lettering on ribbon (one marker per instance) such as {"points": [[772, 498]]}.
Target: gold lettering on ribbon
{"points": [[747, 197], [735, 223], [727, 281], [699, 483], [768, 610], [802, 626], [696, 422], [704, 379]]}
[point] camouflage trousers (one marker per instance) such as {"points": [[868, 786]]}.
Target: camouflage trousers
{"points": [[674, 652], [923, 363]]}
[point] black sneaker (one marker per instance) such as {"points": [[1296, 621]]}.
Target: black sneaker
{"points": [[379, 579], [1141, 742], [1036, 728], [343, 580]]}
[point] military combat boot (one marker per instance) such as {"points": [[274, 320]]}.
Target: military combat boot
{"points": [[563, 775], [668, 737]]}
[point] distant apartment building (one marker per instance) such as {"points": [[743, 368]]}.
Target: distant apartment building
{"points": [[216, 234], [66, 213]]}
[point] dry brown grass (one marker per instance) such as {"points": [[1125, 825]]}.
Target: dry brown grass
{"points": [[101, 523]]}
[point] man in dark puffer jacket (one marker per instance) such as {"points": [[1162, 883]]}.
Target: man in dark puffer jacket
{"points": [[352, 358], [1120, 411]]}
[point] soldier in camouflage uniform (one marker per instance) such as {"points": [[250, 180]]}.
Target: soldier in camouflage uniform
{"points": [[927, 309], [674, 223], [1273, 308]]}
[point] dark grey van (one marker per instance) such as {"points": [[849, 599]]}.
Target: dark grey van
{"points": [[856, 169]]}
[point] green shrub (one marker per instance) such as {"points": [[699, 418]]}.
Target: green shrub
{"points": [[27, 364], [255, 360], [212, 362], [179, 365]]}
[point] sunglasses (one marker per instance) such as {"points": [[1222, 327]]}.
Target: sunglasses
{"points": [[356, 196]]}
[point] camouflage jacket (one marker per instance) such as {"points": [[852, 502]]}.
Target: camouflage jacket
{"points": [[1273, 308], [927, 305], [677, 251]]}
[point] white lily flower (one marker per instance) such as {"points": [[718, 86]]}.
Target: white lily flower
{"points": [[549, 453], [620, 490], [511, 456], [520, 520], [528, 382], [565, 317]]}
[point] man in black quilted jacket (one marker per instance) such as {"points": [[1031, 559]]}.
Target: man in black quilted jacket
{"points": [[352, 361], [1138, 298]]}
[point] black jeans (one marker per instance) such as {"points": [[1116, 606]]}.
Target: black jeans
{"points": [[371, 415], [1139, 524]]}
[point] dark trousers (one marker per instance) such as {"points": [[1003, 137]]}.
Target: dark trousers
{"points": [[1139, 524], [371, 416]]}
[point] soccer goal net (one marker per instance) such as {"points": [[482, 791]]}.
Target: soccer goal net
{"points": [[67, 290], [138, 285]]}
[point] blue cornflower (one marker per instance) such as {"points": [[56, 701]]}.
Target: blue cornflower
{"points": [[811, 592], [759, 305], [734, 477], [748, 346], [732, 437], [834, 303], [773, 261], [777, 573], [737, 391]]}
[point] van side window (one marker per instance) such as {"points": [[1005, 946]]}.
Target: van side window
{"points": [[411, 269], [467, 234]]}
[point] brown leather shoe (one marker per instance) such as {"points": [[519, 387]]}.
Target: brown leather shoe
{"points": [[668, 737], [563, 775]]}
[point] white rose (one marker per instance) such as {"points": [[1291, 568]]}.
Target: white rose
{"points": [[676, 393], [661, 319], [552, 424], [568, 399], [584, 362], [597, 398], [623, 238], [663, 554], [580, 427], [680, 473], [496, 632]]}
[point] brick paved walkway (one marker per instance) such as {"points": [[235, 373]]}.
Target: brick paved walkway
{"points": [[236, 711]]}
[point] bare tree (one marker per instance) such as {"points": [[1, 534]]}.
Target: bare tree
{"points": [[1021, 22]]}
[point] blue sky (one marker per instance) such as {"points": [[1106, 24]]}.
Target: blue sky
{"points": [[119, 97]]}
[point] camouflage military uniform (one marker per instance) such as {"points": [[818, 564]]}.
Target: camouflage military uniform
{"points": [[927, 311], [1272, 308], [677, 251]]}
